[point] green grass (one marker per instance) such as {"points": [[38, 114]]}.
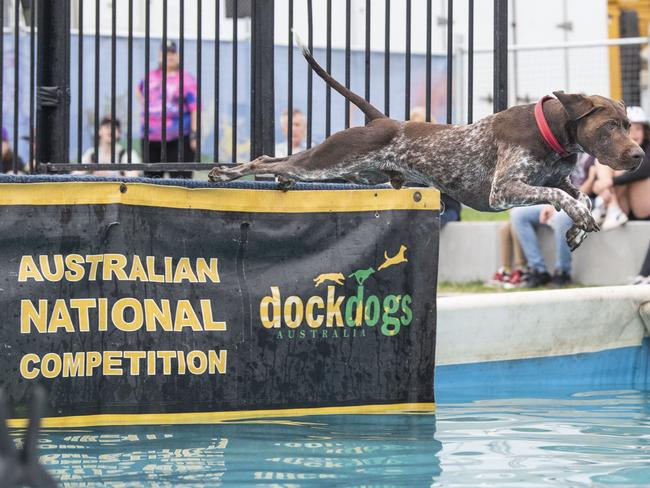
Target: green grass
{"points": [[480, 287], [470, 215]]}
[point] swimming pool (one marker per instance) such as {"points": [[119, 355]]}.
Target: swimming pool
{"points": [[558, 438]]}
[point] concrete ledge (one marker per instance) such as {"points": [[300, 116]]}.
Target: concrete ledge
{"points": [[498, 327], [469, 251]]}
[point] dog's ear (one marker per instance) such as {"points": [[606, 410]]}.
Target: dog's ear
{"points": [[576, 105]]}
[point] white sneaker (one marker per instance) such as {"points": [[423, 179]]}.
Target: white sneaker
{"points": [[638, 280], [615, 218], [599, 211]]}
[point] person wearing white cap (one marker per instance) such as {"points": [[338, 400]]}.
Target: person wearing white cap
{"points": [[623, 195]]}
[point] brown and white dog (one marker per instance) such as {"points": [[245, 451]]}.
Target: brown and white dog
{"points": [[499, 162]]}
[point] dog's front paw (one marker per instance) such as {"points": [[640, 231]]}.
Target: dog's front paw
{"points": [[574, 237], [285, 184], [582, 218], [220, 173]]}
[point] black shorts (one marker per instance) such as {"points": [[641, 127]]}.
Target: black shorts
{"points": [[155, 156]]}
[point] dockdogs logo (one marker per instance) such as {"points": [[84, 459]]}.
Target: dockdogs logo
{"points": [[338, 314]]}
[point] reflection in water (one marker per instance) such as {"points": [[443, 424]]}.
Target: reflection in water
{"points": [[574, 440], [356, 450], [568, 439]]}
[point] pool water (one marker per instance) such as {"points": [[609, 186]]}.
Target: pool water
{"points": [[593, 438]]}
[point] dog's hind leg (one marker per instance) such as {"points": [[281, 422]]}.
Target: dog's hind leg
{"points": [[261, 165]]}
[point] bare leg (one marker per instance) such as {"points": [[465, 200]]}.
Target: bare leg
{"points": [[621, 197], [639, 198], [505, 245]]}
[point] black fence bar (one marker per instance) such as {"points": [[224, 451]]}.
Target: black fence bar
{"points": [[113, 80], [500, 85], [387, 59], [427, 84], [181, 80], [310, 74], [470, 63], [2, 60], [235, 22], [163, 122], [348, 15], [217, 73], [32, 81], [199, 69], [407, 74], [177, 166], [262, 95], [53, 82], [367, 54], [450, 56], [129, 97], [146, 150], [80, 83], [16, 80], [290, 83], [96, 114], [328, 68]]}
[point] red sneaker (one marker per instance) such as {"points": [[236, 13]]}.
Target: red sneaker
{"points": [[517, 279], [500, 278]]}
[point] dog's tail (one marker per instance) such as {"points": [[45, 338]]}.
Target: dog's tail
{"points": [[365, 106]]}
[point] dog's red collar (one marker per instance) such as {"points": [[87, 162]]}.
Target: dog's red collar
{"points": [[545, 130]]}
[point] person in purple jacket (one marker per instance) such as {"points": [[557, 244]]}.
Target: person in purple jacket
{"points": [[172, 121]]}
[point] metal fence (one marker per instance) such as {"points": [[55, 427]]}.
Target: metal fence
{"points": [[614, 67], [81, 67]]}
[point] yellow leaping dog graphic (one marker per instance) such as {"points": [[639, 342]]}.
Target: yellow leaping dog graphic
{"points": [[337, 278], [398, 258]]}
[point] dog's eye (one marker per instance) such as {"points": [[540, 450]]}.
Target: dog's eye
{"points": [[626, 125], [611, 125]]}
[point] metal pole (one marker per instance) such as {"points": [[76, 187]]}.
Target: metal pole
{"points": [[53, 82], [500, 85], [262, 88]]}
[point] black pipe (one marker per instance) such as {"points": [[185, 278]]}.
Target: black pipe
{"points": [[500, 83], [163, 129], [217, 52], [199, 69], [53, 82], [428, 65], [407, 74], [97, 40], [450, 56], [234, 82], [147, 49], [181, 83], [310, 77], [348, 21], [387, 59], [113, 79], [470, 64], [129, 100], [290, 83], [328, 68]]}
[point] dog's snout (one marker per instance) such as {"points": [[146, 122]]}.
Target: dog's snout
{"points": [[635, 157]]}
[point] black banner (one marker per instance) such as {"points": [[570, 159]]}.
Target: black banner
{"points": [[143, 299]]}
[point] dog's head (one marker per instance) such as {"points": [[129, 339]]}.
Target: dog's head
{"points": [[602, 129]]}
